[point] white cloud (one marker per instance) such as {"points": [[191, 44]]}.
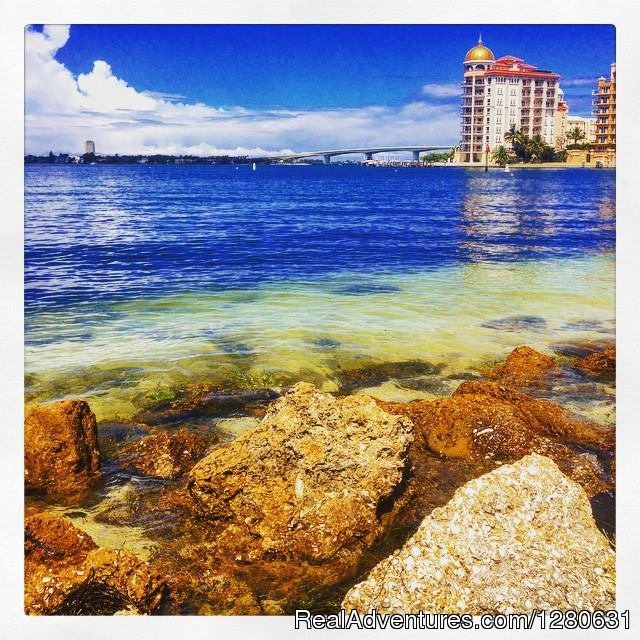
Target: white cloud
{"points": [[451, 90], [62, 111], [579, 82]]}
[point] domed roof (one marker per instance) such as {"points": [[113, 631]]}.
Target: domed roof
{"points": [[479, 52]]}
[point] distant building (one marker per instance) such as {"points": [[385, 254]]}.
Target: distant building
{"points": [[90, 147], [561, 122], [586, 125], [604, 109], [497, 94]]}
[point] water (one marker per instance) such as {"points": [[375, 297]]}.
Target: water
{"points": [[139, 278]]}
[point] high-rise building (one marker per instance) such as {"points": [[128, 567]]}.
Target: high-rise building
{"points": [[499, 94], [604, 109], [90, 147]]}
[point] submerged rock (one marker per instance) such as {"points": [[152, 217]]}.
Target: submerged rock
{"points": [[206, 400], [517, 539], [306, 485], [60, 447], [516, 323], [67, 574], [374, 374], [524, 366], [164, 454]]}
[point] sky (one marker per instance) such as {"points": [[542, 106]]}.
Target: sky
{"points": [[253, 89]]}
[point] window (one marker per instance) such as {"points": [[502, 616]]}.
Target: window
{"points": [[500, 101], [513, 92], [499, 91]]}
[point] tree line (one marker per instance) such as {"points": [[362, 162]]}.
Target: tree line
{"points": [[534, 149]]}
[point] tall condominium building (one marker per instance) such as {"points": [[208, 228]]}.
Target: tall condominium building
{"points": [[497, 94], [90, 146], [604, 109]]}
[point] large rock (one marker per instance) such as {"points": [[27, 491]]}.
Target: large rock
{"points": [[308, 483], [60, 447], [544, 416], [483, 420], [523, 367], [517, 539], [601, 364], [67, 574], [163, 454]]}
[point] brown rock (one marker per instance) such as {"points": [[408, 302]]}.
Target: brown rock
{"points": [[601, 363], [48, 538], [164, 454], [305, 486], [518, 539], [61, 447], [66, 574], [543, 416], [523, 367], [483, 420]]}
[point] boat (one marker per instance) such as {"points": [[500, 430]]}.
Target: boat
{"points": [[253, 166], [507, 169]]}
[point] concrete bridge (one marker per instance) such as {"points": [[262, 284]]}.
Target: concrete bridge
{"points": [[368, 152]]}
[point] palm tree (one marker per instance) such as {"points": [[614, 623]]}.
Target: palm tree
{"points": [[536, 147], [512, 135], [575, 134], [501, 156]]}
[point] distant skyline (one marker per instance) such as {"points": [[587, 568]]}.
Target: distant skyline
{"points": [[274, 88]]}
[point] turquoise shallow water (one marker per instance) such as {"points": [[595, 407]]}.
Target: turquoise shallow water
{"points": [[139, 279]]}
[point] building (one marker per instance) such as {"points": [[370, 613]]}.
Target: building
{"points": [[498, 94], [90, 147], [604, 109], [586, 125], [561, 124]]}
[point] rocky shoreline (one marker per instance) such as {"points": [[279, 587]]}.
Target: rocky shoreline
{"points": [[479, 501]]}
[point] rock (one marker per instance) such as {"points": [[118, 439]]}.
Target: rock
{"points": [[523, 367], [484, 420], [516, 323], [374, 374], [164, 454], [206, 400], [519, 538], [67, 574], [543, 416], [601, 363], [306, 485], [50, 538], [61, 447]]}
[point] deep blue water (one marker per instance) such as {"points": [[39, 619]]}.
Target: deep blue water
{"points": [[105, 233]]}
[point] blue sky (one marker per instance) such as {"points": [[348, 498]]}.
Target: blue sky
{"points": [[193, 88]]}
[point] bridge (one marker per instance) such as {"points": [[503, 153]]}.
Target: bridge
{"points": [[368, 152]]}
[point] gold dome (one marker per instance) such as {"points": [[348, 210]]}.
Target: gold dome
{"points": [[479, 52]]}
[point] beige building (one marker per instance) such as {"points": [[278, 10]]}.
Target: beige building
{"points": [[604, 109], [90, 146], [499, 94], [586, 125]]}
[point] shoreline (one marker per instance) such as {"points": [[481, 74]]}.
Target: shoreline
{"points": [[143, 476]]}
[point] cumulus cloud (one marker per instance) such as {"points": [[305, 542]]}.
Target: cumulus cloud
{"points": [[63, 110], [451, 90]]}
